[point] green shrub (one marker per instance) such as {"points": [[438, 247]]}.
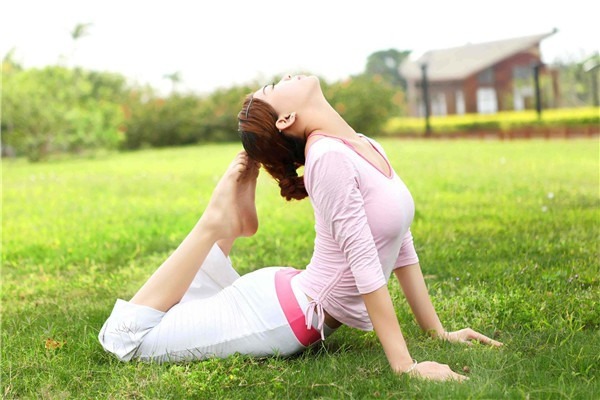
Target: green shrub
{"points": [[181, 119], [366, 102], [56, 109]]}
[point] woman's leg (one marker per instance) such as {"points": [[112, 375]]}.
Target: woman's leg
{"points": [[215, 274], [244, 318], [231, 213]]}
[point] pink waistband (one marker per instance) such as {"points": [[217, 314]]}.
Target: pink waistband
{"points": [[291, 308]]}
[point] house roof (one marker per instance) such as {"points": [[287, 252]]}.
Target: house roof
{"points": [[460, 62]]}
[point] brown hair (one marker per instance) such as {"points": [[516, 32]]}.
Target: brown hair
{"points": [[280, 154]]}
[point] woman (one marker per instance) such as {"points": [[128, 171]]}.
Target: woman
{"points": [[196, 306]]}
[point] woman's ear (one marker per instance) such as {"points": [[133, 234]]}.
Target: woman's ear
{"points": [[285, 121]]}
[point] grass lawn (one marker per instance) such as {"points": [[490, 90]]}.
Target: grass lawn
{"points": [[507, 234]]}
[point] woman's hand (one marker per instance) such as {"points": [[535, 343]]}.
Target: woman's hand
{"points": [[435, 372], [467, 336]]}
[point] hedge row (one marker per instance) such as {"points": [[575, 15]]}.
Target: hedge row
{"points": [[55, 110], [502, 122]]}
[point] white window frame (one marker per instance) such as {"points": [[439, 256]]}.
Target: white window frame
{"points": [[459, 98], [487, 101], [438, 104]]}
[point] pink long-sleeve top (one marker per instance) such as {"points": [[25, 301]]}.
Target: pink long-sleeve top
{"points": [[362, 221]]}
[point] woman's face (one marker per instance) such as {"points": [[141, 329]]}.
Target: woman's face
{"points": [[290, 94]]}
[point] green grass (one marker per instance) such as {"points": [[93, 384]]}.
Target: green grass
{"points": [[507, 234]]}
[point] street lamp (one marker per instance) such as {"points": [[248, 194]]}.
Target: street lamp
{"points": [[425, 88], [538, 94]]}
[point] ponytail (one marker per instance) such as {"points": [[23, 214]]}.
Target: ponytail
{"points": [[279, 154]]}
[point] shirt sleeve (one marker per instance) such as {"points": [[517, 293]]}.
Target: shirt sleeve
{"points": [[407, 255], [334, 187]]}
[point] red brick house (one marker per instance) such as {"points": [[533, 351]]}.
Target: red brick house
{"points": [[476, 78]]}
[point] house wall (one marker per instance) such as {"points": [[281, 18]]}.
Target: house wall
{"points": [[413, 98], [503, 74], [470, 87], [502, 82], [447, 89]]}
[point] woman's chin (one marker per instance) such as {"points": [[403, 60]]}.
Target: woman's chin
{"points": [[315, 81]]}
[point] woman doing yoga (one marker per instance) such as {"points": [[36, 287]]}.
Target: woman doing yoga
{"points": [[196, 306]]}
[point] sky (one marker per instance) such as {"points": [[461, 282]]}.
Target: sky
{"points": [[220, 43]]}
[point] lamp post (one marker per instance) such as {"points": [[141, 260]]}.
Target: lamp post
{"points": [[538, 95], [425, 88]]}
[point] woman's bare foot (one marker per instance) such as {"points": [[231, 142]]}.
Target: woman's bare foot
{"points": [[231, 211]]}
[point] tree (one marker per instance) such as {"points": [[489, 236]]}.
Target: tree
{"points": [[182, 119], [578, 80], [80, 31], [366, 102], [56, 109], [175, 78], [386, 63]]}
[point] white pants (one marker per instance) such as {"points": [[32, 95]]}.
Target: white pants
{"points": [[221, 314]]}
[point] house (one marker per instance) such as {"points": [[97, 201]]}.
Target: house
{"points": [[477, 78]]}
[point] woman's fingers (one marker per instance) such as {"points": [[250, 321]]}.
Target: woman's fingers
{"points": [[486, 340], [458, 377], [473, 335], [436, 372], [468, 334], [451, 375]]}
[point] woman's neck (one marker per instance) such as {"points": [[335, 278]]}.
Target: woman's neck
{"points": [[327, 120]]}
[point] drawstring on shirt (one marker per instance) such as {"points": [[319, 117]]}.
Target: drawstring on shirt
{"points": [[310, 312], [316, 304]]}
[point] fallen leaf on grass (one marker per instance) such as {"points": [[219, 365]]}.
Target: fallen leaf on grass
{"points": [[52, 344]]}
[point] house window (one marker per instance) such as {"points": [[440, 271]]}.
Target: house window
{"points": [[459, 98], [486, 77], [521, 96], [522, 86], [522, 72], [438, 104], [487, 102]]}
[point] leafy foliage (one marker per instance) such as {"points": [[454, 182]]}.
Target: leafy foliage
{"points": [[578, 80], [366, 102], [56, 109], [181, 119], [386, 63]]}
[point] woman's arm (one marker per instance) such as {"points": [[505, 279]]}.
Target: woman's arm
{"points": [[383, 317], [413, 284], [414, 288]]}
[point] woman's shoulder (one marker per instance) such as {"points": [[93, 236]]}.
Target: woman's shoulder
{"points": [[324, 144], [321, 145], [326, 156]]}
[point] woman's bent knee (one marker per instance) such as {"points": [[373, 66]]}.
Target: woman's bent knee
{"points": [[125, 329]]}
